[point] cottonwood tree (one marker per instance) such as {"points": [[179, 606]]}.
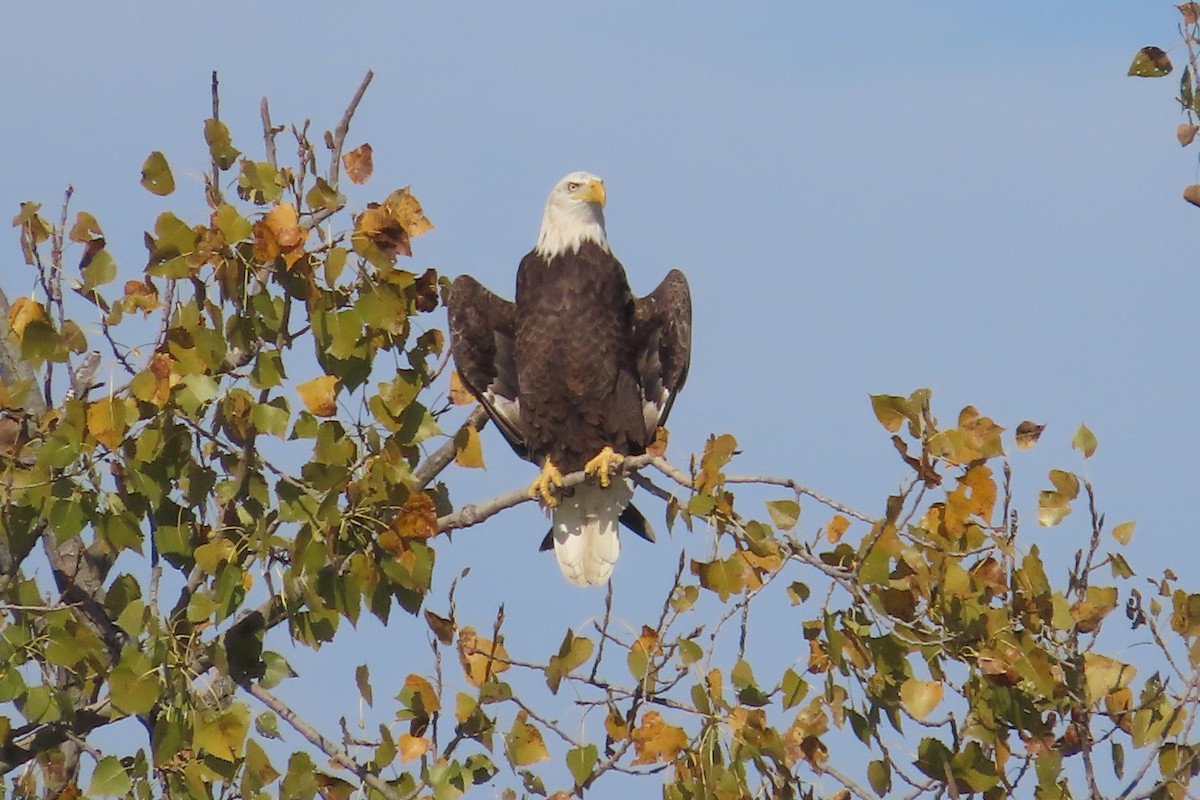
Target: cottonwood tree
{"points": [[168, 540]]}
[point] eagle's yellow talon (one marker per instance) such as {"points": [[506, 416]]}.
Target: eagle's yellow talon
{"points": [[604, 465], [546, 483]]}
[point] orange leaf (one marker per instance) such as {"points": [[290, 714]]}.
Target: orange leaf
{"points": [[836, 528], [279, 233], [417, 519], [320, 395], [479, 657], [359, 164], [412, 747], [655, 741]]}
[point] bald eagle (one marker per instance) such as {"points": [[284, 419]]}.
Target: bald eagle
{"points": [[577, 373]]}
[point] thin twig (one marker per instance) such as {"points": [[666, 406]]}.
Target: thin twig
{"points": [[336, 754]]}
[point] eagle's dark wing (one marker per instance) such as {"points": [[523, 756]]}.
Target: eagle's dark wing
{"points": [[482, 330], [662, 328]]}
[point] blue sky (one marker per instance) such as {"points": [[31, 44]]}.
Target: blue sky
{"points": [[866, 199]]}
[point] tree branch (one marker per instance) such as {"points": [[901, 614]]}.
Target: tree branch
{"points": [[337, 755]]}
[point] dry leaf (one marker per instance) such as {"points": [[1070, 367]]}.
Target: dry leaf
{"points": [[1185, 132], [279, 233], [417, 519], [1192, 194], [655, 741], [659, 446], [1028, 433], [140, 296], [359, 164], [478, 657]]}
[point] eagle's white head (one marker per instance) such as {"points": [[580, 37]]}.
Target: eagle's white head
{"points": [[574, 215]]}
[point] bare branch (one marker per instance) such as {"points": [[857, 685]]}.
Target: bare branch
{"points": [[336, 754]]}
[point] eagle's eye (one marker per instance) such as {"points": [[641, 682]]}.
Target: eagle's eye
{"points": [[573, 185]]}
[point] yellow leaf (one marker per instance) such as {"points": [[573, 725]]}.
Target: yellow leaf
{"points": [[23, 311], [405, 209], [460, 395], [1102, 675], [1084, 441], [412, 747], [836, 528], [921, 697], [320, 395], [423, 689], [1123, 532], [479, 657], [525, 743], [468, 450], [655, 741], [615, 727], [85, 228], [106, 422]]}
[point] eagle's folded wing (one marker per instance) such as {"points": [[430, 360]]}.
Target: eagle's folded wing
{"points": [[482, 329], [662, 322]]}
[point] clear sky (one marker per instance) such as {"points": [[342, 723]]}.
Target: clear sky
{"points": [[866, 198]]}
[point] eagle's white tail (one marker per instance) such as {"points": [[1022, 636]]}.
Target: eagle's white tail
{"points": [[585, 531]]}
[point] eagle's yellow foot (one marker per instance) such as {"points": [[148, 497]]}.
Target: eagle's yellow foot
{"points": [[604, 466], [546, 484]]}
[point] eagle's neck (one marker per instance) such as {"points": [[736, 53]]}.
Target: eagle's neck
{"points": [[565, 229]]}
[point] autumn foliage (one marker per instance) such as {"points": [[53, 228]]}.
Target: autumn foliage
{"points": [[280, 458]]}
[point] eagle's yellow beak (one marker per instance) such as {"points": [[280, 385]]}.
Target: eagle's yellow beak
{"points": [[593, 192]]}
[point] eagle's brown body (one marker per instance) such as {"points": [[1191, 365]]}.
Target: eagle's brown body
{"points": [[576, 365]]}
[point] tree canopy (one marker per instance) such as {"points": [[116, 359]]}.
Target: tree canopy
{"points": [[277, 462]]}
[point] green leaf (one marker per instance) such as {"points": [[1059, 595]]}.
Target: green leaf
{"points": [[572, 653], [362, 678], [581, 761], [880, 777], [689, 652], [266, 725], [100, 270], [794, 689], [156, 175], [216, 135], [109, 779], [133, 685], [222, 734], [524, 742], [1150, 62], [723, 577], [784, 513], [194, 391]]}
